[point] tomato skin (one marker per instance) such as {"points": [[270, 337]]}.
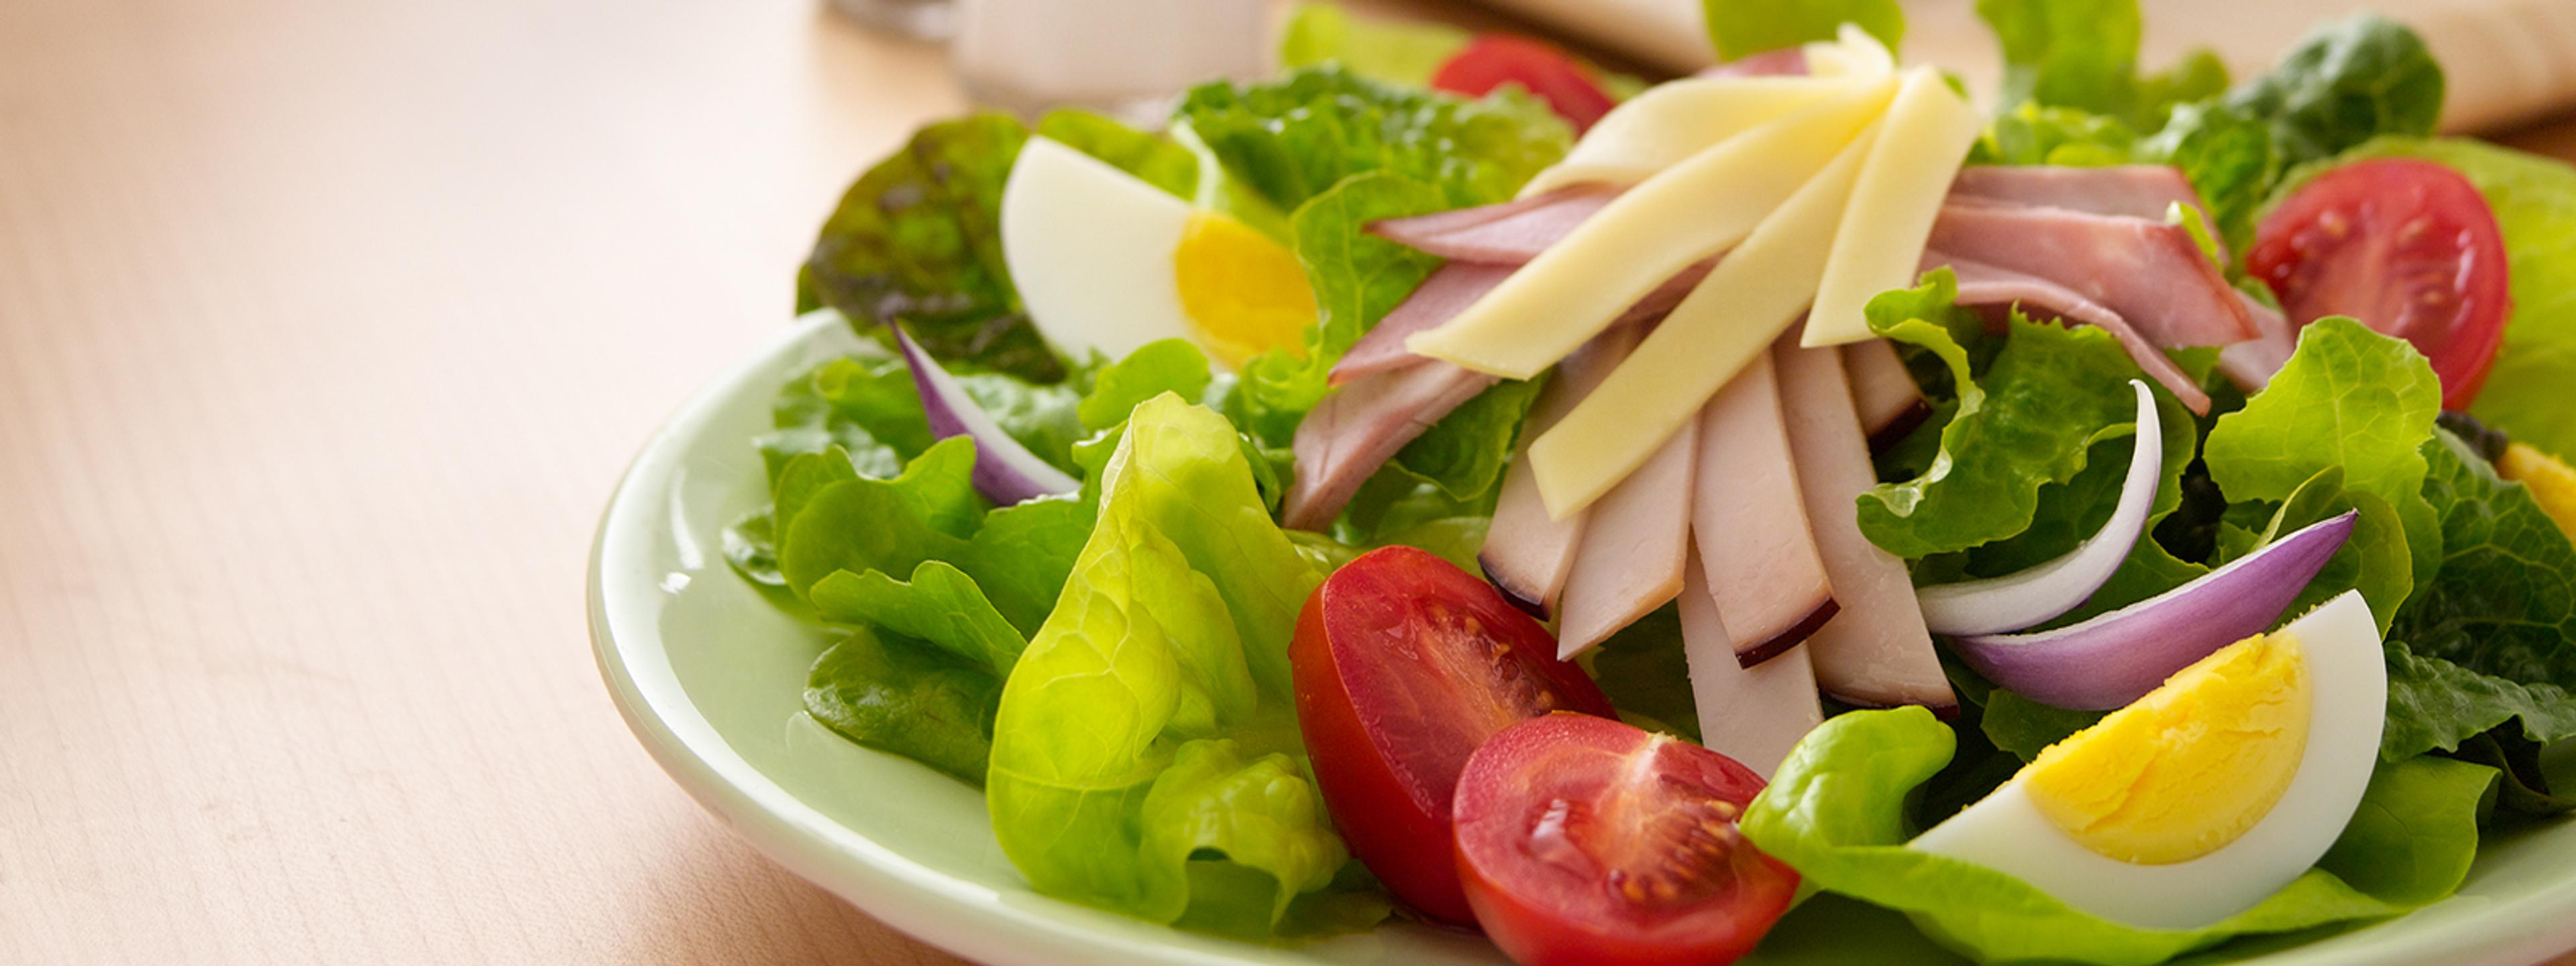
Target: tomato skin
{"points": [[2408, 247], [1541, 811], [1492, 60], [1387, 729]]}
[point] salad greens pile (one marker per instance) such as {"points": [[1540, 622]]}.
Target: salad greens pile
{"points": [[1112, 665]]}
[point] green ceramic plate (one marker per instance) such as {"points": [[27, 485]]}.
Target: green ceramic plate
{"points": [[708, 674]]}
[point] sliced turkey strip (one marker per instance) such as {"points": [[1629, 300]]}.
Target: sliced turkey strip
{"points": [[1889, 401], [1753, 715], [1635, 543], [1876, 651], [1527, 554], [1361, 426], [1449, 289], [1981, 284], [2148, 272], [1750, 521]]}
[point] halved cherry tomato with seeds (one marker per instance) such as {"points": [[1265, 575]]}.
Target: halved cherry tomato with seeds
{"points": [[1556, 77], [2407, 247], [1404, 664], [1583, 840]]}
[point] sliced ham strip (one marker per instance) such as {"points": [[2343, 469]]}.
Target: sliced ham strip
{"points": [[1511, 239], [1634, 545], [1527, 554], [1439, 222], [2148, 272], [2251, 364], [1876, 651], [1981, 284], [1750, 522], [1452, 287], [1888, 400], [1361, 426], [2136, 190], [1751, 714]]}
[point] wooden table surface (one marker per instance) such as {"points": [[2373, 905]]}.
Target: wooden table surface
{"points": [[325, 329]]}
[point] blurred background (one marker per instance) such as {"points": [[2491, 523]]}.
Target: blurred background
{"points": [[326, 327]]}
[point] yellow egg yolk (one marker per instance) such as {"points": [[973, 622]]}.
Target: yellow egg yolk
{"points": [[1244, 292], [2552, 483], [2188, 768]]}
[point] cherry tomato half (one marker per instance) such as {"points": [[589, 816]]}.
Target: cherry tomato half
{"points": [[1556, 77], [1403, 665], [2409, 248], [1587, 841]]}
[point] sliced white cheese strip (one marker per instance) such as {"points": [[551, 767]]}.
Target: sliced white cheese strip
{"points": [[1671, 121], [1752, 296], [1875, 652], [1695, 209], [1751, 714], [1633, 548], [1853, 53], [1920, 144]]}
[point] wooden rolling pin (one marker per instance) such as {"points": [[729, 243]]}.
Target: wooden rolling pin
{"points": [[2508, 61]]}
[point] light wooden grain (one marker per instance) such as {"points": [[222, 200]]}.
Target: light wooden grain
{"points": [[325, 328]]}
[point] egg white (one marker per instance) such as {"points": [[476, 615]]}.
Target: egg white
{"points": [[1091, 250], [2348, 677]]}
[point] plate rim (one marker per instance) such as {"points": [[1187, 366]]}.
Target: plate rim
{"points": [[974, 921]]}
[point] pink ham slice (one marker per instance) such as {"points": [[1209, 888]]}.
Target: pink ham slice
{"points": [[2251, 364], [1751, 714], [1750, 521], [1527, 554], [1447, 292], [2136, 190], [1361, 426], [1634, 544], [1981, 284], [1888, 400], [1513, 237], [1876, 651], [2148, 272]]}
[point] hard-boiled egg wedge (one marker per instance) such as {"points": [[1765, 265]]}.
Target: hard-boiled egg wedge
{"points": [[2210, 793], [1107, 263]]}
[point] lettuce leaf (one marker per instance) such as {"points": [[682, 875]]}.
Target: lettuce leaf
{"points": [[2352, 399], [1145, 756], [1742, 28], [1837, 813], [899, 696], [2534, 200], [2346, 82], [2024, 420], [1294, 138], [2083, 54]]}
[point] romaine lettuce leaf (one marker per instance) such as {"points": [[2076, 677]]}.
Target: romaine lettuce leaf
{"points": [[2352, 399], [1170, 365], [1742, 28], [1837, 813], [2534, 199], [2025, 420], [1146, 757]]}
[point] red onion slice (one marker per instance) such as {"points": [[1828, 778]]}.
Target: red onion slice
{"points": [[1005, 471], [2031, 597], [2111, 660]]}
